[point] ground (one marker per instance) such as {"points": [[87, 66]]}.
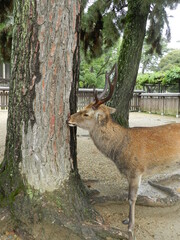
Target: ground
{"points": [[100, 174]]}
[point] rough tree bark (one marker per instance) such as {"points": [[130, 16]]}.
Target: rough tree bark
{"points": [[44, 48], [129, 58], [38, 177]]}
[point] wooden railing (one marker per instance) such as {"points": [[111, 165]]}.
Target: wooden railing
{"points": [[86, 95], [4, 97], [4, 82], [160, 103]]}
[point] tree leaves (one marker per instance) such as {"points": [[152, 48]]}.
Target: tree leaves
{"points": [[6, 23]]}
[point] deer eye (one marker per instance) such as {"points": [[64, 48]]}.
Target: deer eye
{"points": [[85, 115]]}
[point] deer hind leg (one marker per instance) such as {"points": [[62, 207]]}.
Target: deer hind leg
{"points": [[134, 183], [172, 192]]}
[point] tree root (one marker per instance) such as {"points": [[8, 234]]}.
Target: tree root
{"points": [[68, 229], [104, 231], [66, 213]]}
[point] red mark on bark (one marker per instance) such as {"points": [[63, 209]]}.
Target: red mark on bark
{"points": [[53, 49], [50, 17], [52, 121], [50, 62], [52, 124], [43, 84]]}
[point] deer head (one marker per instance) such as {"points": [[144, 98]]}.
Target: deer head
{"points": [[96, 112]]}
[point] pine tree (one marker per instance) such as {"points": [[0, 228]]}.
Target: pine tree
{"points": [[130, 18]]}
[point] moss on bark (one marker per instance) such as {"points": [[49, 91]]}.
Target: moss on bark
{"points": [[66, 213], [24, 67], [129, 58]]}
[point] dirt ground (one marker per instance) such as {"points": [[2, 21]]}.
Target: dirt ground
{"points": [[99, 173]]}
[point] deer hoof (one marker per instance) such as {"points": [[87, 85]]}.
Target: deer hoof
{"points": [[126, 221]]}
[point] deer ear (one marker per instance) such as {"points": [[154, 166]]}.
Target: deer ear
{"points": [[100, 116], [111, 110]]}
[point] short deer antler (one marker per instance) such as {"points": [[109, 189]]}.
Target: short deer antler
{"points": [[98, 99]]}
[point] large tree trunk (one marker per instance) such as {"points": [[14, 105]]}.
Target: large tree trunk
{"points": [[44, 48], [38, 177], [45, 58], [129, 58]]}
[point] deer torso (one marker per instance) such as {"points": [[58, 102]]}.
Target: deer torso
{"points": [[138, 149]]}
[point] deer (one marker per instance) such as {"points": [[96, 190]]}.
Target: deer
{"points": [[135, 151]]}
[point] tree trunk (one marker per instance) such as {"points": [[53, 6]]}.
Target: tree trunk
{"points": [[39, 155], [39, 180], [129, 58], [44, 48]]}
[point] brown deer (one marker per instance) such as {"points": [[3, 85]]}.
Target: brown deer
{"points": [[135, 151]]}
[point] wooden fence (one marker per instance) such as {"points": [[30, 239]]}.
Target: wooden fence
{"points": [[4, 97], [85, 96], [160, 103]]}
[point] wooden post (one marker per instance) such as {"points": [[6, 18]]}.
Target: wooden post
{"points": [[178, 108], [163, 98]]}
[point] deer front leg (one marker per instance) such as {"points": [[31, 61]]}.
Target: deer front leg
{"points": [[133, 189]]}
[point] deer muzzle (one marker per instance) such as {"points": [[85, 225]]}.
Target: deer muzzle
{"points": [[70, 122]]}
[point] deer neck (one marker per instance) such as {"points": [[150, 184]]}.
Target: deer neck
{"points": [[108, 136]]}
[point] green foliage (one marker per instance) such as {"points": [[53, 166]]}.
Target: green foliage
{"points": [[6, 23], [149, 62], [92, 72], [171, 60], [6, 6], [149, 78], [104, 22], [172, 76], [5, 40], [159, 22], [165, 78], [101, 26]]}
